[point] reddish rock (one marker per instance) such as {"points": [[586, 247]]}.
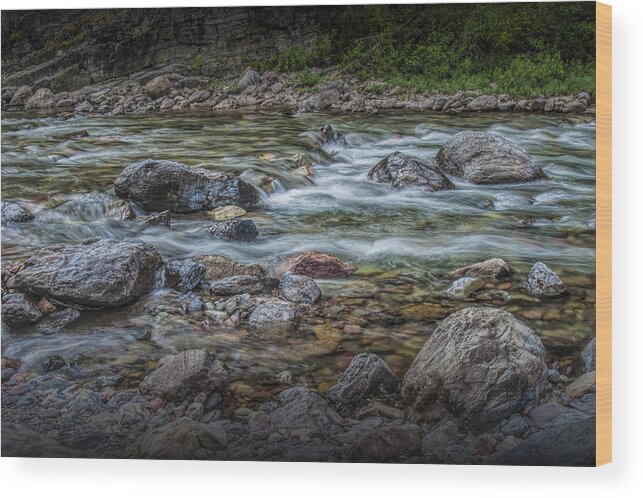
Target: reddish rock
{"points": [[315, 264]]}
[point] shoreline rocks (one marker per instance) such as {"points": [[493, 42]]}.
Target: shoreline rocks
{"points": [[168, 185], [486, 158]]}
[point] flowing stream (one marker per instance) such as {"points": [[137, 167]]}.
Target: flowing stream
{"points": [[402, 241]]}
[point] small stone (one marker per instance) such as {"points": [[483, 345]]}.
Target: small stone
{"points": [[237, 229], [584, 384], [542, 281], [184, 275], [299, 289], [543, 414], [464, 287], [272, 318]]}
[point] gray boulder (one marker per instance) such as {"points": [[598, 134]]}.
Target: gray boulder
{"points": [[543, 281], [12, 212], [237, 229], [388, 444], [181, 376], [299, 289], [272, 318], [479, 157], [329, 136], [250, 78], [97, 272], [42, 99], [167, 185], [483, 103], [490, 270], [479, 366], [184, 275], [19, 309], [367, 376], [401, 171]]}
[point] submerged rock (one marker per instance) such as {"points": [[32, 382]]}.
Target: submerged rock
{"points": [[315, 264], [491, 269], [401, 171], [367, 376], [184, 275], [120, 210], [480, 157], [479, 366], [167, 185], [543, 281], [19, 310], [299, 289], [181, 376], [160, 219], [224, 213], [239, 284], [218, 267], [238, 229], [272, 318], [12, 212], [98, 272], [464, 287]]}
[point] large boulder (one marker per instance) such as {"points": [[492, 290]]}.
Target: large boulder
{"points": [[42, 99], [217, 267], [543, 281], [400, 171], [367, 376], [315, 264], [167, 185], [480, 157], [182, 376], [479, 366], [490, 270], [12, 212], [97, 272], [158, 87], [299, 289]]}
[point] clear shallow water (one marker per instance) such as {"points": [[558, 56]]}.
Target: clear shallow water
{"points": [[401, 240]]}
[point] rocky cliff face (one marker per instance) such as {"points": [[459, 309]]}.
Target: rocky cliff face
{"points": [[68, 49]]}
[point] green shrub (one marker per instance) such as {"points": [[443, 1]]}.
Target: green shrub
{"points": [[196, 63], [308, 79]]}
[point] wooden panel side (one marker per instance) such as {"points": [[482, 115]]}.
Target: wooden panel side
{"points": [[603, 233]]}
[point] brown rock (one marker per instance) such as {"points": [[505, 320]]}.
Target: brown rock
{"points": [[315, 264]]}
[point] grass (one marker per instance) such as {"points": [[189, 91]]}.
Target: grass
{"points": [[308, 79]]}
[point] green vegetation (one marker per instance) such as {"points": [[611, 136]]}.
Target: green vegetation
{"points": [[308, 79], [524, 49], [234, 89], [196, 63]]}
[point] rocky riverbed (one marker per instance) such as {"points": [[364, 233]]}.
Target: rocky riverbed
{"points": [[308, 287]]}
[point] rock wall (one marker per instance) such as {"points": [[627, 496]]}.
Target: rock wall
{"points": [[65, 50]]}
